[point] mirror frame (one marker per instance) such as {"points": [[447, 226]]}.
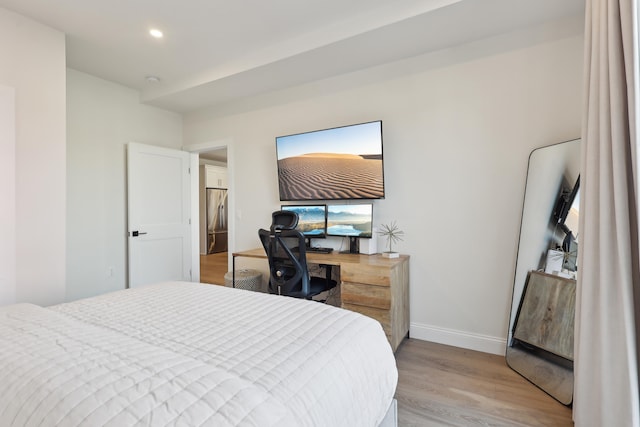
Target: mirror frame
{"points": [[550, 169]]}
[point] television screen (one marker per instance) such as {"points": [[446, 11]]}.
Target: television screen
{"points": [[312, 219], [333, 164], [568, 199], [350, 220]]}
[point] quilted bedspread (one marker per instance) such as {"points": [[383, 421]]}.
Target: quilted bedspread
{"points": [[190, 354]]}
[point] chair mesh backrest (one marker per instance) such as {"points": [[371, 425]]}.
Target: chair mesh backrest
{"points": [[285, 249]]}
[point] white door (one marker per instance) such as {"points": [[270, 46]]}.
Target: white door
{"points": [[159, 210]]}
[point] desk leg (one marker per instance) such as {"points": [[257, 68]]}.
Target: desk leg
{"points": [[233, 271]]}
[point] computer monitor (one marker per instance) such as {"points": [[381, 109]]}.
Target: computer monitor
{"points": [[353, 221], [312, 220]]}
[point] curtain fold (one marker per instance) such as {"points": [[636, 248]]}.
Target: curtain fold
{"points": [[608, 298]]}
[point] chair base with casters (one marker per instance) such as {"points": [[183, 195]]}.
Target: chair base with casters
{"points": [[286, 253]]}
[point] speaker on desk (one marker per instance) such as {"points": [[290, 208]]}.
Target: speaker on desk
{"points": [[368, 246]]}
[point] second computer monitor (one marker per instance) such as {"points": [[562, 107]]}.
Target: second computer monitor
{"points": [[355, 220]]}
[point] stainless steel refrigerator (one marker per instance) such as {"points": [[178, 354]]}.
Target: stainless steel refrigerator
{"points": [[216, 220]]}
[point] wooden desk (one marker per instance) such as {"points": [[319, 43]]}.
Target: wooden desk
{"points": [[372, 285]]}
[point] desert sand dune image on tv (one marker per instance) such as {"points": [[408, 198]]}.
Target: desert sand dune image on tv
{"points": [[327, 176], [333, 164]]}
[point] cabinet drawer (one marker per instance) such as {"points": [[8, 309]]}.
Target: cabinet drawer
{"points": [[366, 295], [366, 274], [378, 314]]}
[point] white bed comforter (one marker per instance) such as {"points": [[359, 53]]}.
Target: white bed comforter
{"points": [[189, 354]]}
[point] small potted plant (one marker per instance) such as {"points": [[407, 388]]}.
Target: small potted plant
{"points": [[393, 234]]}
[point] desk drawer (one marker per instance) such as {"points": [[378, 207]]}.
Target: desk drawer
{"points": [[382, 316], [366, 295], [364, 273]]}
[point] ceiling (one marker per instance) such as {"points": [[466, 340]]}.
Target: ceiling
{"points": [[217, 51]]}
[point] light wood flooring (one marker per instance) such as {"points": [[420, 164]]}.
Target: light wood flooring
{"points": [[441, 385], [213, 268]]}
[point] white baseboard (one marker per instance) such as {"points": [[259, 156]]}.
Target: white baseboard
{"points": [[477, 342]]}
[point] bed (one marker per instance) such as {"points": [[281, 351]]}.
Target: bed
{"points": [[189, 354]]}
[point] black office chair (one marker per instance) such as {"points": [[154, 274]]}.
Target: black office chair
{"points": [[286, 252]]}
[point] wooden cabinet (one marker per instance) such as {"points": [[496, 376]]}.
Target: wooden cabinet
{"points": [[547, 313], [215, 176], [379, 288]]}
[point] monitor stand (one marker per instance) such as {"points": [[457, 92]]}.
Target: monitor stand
{"points": [[307, 242], [354, 245]]}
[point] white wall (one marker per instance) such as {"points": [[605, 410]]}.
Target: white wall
{"points": [[7, 195], [458, 128], [32, 61], [103, 118]]}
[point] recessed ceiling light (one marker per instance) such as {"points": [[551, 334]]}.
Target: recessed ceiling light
{"points": [[153, 79], [155, 33]]}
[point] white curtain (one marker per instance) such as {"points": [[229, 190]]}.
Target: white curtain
{"points": [[608, 296]]}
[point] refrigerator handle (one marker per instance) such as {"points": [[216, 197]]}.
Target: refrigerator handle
{"points": [[221, 216]]}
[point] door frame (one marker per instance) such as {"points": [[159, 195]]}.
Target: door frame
{"points": [[195, 150]]}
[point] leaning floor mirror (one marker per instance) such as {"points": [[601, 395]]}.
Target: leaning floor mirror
{"points": [[541, 324]]}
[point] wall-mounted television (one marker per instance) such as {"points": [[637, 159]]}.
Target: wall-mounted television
{"points": [[565, 216], [565, 202], [342, 163], [312, 219]]}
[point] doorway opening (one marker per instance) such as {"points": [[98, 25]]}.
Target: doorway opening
{"points": [[214, 215]]}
